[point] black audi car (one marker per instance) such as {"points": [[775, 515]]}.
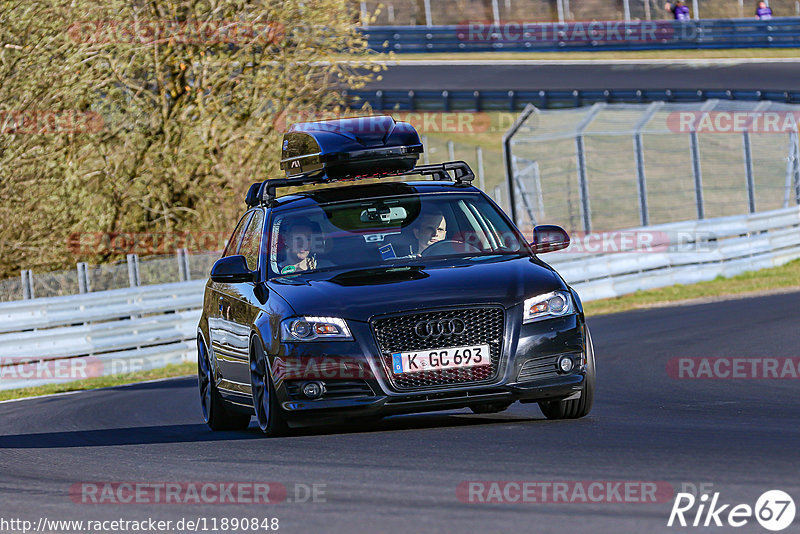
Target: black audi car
{"points": [[382, 287]]}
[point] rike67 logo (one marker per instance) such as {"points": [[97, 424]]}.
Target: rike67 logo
{"points": [[774, 510]]}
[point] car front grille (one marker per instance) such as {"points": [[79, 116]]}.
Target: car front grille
{"points": [[484, 325]]}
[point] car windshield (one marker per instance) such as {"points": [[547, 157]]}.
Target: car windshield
{"points": [[388, 231]]}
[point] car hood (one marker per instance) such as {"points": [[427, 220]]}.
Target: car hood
{"points": [[363, 293]]}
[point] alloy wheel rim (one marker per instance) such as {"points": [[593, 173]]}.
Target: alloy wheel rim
{"points": [[258, 382], [204, 380]]}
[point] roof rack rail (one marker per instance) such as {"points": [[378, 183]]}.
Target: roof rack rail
{"points": [[265, 192]]}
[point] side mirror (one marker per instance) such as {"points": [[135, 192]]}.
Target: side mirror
{"points": [[232, 269], [548, 237]]}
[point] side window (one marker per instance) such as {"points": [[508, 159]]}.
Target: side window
{"points": [[251, 242], [233, 243]]}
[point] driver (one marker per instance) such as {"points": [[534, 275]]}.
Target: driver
{"points": [[431, 228]]}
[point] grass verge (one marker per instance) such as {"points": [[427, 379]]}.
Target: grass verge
{"points": [[169, 371], [755, 282], [784, 277]]}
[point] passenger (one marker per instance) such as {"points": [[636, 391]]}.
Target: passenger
{"points": [[298, 238]]}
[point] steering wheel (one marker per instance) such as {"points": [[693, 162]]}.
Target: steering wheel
{"points": [[449, 246]]}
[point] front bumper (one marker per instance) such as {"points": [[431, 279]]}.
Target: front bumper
{"points": [[538, 344]]}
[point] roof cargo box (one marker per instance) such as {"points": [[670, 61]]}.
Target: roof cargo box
{"points": [[343, 148]]}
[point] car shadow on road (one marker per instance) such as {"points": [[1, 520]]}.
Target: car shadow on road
{"points": [[194, 433]]}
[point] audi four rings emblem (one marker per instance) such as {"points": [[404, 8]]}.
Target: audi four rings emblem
{"points": [[439, 327]]}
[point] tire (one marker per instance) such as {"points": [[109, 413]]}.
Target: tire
{"points": [[491, 407], [215, 412], [575, 408], [269, 414]]}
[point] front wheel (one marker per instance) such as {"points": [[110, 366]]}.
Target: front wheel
{"points": [[215, 414], [575, 408], [265, 403]]}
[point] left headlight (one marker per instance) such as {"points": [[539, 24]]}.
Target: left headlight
{"points": [[555, 304], [314, 328]]}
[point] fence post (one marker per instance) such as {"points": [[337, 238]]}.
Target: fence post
{"points": [[451, 150], [560, 8], [790, 168], [428, 17], [748, 171], [364, 15], [627, 8], [27, 284], [426, 157], [83, 278], [796, 168], [696, 172], [509, 165], [522, 192], [497, 196], [479, 156], [695, 10], [638, 149], [580, 156], [183, 264], [495, 12], [133, 270]]}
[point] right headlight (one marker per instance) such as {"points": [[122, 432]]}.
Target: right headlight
{"points": [[314, 328], [554, 304]]}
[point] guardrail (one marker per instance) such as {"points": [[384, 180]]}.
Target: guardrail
{"points": [[679, 253], [63, 338], [448, 100], [521, 36], [59, 339]]}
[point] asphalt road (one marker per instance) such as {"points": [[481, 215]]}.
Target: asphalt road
{"points": [[526, 76], [401, 475]]}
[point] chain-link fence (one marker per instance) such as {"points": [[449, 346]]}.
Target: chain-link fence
{"points": [[485, 161], [131, 272], [612, 166], [447, 12]]}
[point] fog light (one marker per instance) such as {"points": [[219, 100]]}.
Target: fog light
{"points": [[565, 363], [312, 390]]}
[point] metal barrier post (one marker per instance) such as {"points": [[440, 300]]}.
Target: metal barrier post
{"points": [[426, 156], [133, 270], [27, 284], [627, 8], [83, 277], [451, 150]]}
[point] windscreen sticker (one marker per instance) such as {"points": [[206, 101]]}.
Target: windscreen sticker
{"points": [[387, 252], [289, 269]]}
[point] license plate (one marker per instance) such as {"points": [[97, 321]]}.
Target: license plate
{"points": [[445, 358]]}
